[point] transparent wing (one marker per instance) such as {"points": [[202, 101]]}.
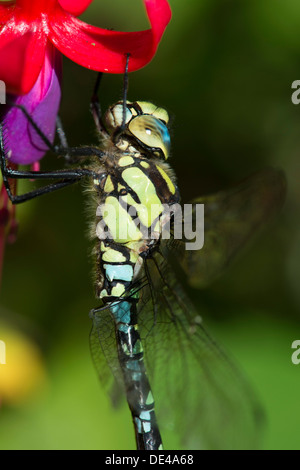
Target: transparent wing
{"points": [[201, 397], [231, 219], [104, 353]]}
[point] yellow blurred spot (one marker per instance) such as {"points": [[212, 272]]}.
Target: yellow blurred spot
{"points": [[23, 373]]}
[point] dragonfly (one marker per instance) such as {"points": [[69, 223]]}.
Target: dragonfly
{"points": [[148, 341]]}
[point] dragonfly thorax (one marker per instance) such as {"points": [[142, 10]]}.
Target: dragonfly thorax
{"points": [[132, 213]]}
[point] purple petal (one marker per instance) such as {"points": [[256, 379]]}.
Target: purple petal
{"points": [[22, 143]]}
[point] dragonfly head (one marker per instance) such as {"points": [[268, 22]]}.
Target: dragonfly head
{"points": [[143, 124]]}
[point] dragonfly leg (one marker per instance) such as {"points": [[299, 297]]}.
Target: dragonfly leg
{"points": [[125, 90], [63, 149], [95, 107], [121, 128], [72, 154], [66, 177]]}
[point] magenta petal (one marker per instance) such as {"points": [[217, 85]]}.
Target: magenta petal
{"points": [[22, 144]]}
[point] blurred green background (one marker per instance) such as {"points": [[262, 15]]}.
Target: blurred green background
{"points": [[224, 70]]}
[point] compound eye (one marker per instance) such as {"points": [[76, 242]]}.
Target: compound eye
{"points": [[151, 132], [113, 117]]}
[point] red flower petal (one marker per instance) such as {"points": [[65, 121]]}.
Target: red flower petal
{"points": [[104, 50], [5, 12], [75, 7], [22, 55], [35, 7]]}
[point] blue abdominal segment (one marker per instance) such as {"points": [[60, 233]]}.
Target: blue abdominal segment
{"points": [[121, 272]]}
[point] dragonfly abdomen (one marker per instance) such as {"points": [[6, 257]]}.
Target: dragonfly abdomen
{"points": [[131, 359]]}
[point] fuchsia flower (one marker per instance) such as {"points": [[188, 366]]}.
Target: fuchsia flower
{"points": [[33, 34], [28, 26]]}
